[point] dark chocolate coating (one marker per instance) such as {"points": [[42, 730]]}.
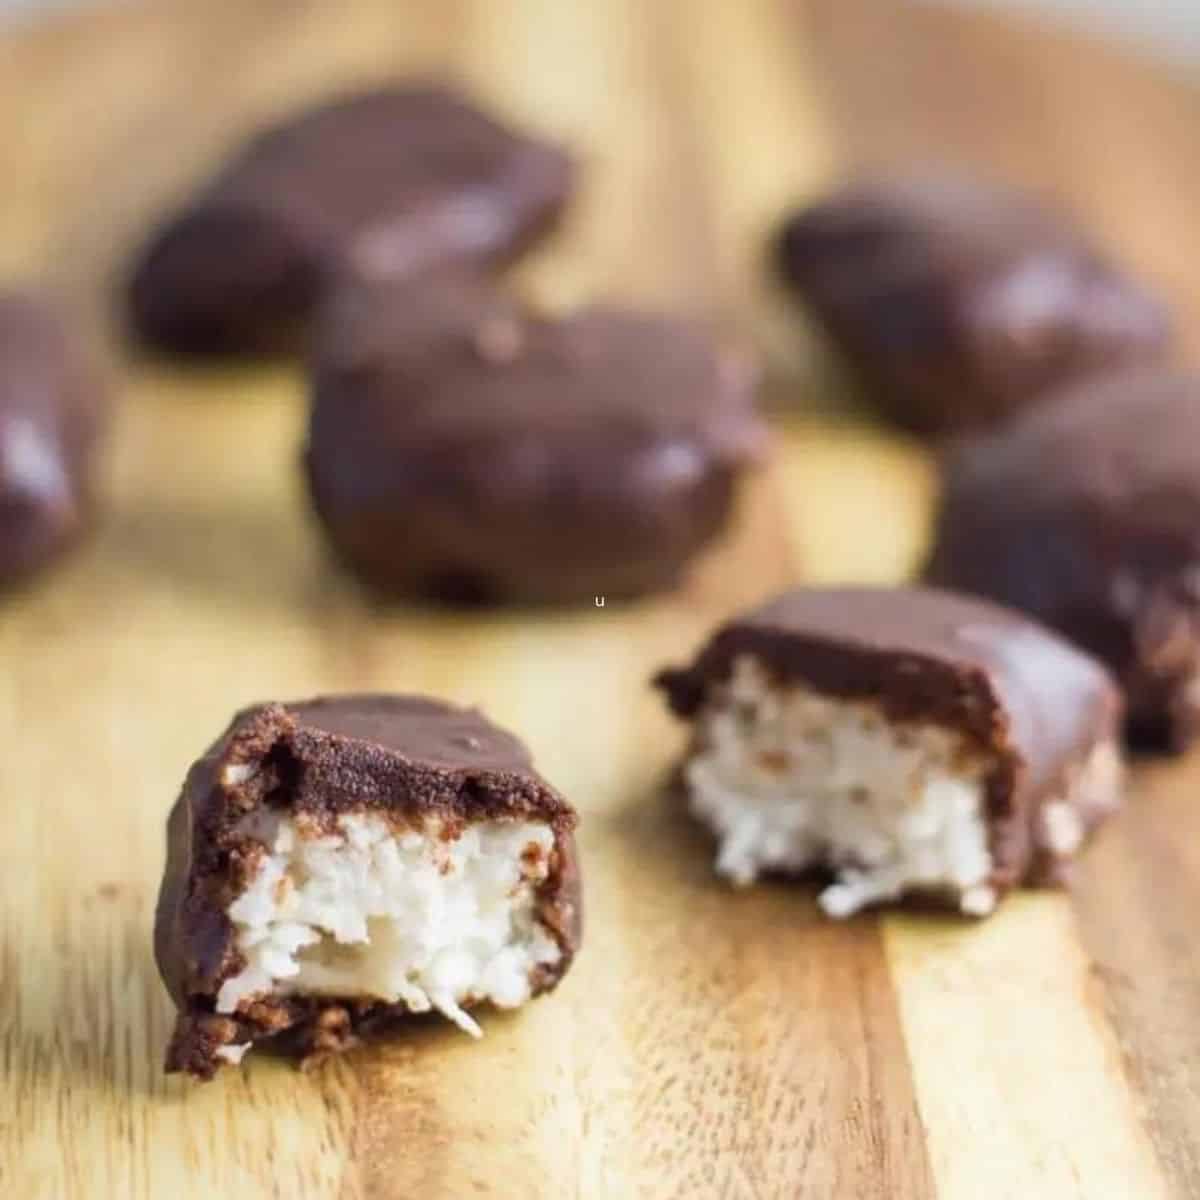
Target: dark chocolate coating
{"points": [[409, 757], [1086, 513], [1014, 688], [52, 414], [959, 304], [463, 447], [391, 182]]}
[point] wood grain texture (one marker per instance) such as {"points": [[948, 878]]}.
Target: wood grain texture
{"points": [[707, 1044]]}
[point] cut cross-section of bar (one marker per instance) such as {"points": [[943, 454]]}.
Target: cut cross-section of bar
{"points": [[339, 863], [898, 742]]}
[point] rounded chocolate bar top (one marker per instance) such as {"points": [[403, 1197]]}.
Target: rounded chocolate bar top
{"points": [[391, 182], [53, 410], [959, 303], [1018, 690], [463, 446], [1086, 514], [409, 751], [406, 753], [436, 735]]}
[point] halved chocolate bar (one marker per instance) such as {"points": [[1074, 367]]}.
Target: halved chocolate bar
{"points": [[337, 863], [903, 740]]}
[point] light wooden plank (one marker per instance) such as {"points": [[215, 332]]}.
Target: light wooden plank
{"points": [[588, 74], [761, 132], [115, 672], [857, 502], [1017, 1072]]}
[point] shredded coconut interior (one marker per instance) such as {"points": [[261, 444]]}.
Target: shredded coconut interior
{"points": [[394, 915], [788, 779]]}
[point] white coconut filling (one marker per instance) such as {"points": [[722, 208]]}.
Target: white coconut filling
{"points": [[401, 916], [789, 779]]}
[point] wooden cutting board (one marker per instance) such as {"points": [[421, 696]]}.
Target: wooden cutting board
{"points": [[707, 1044]]}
